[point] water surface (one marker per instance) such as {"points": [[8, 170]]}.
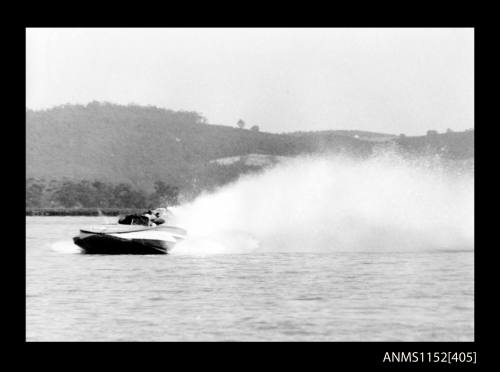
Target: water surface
{"points": [[391, 295]]}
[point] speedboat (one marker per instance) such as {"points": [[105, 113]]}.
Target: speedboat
{"points": [[129, 239]]}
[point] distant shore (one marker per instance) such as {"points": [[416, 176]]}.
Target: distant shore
{"points": [[80, 211]]}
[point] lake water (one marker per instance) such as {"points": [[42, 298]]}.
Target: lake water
{"points": [[389, 295]]}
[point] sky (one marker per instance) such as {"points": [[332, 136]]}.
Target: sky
{"points": [[281, 79]]}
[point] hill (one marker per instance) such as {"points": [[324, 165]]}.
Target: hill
{"points": [[140, 145], [449, 145], [85, 154]]}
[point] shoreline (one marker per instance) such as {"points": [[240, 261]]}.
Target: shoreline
{"points": [[81, 211]]}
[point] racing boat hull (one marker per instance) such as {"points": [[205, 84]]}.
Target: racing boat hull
{"points": [[116, 239]]}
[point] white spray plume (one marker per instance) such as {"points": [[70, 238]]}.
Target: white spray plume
{"points": [[334, 203]]}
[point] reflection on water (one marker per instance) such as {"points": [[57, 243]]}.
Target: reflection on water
{"points": [[337, 296]]}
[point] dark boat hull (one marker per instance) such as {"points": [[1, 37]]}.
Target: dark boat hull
{"points": [[105, 244], [128, 239]]}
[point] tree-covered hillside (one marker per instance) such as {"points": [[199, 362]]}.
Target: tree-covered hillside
{"points": [[78, 154], [141, 145], [450, 145]]}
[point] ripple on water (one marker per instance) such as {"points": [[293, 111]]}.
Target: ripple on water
{"points": [[290, 296]]}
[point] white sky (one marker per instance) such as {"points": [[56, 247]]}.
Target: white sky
{"points": [[385, 80]]}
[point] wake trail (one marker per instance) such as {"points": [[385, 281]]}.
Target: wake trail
{"points": [[335, 203]]}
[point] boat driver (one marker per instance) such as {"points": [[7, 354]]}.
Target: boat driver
{"points": [[156, 216]]}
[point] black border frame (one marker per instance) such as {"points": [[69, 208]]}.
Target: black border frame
{"points": [[311, 355]]}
